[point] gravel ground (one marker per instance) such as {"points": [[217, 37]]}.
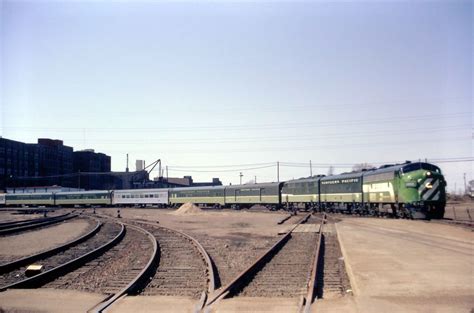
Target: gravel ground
{"points": [[12, 216], [233, 254], [286, 274], [113, 270], [233, 239], [36, 241], [333, 281], [460, 210]]}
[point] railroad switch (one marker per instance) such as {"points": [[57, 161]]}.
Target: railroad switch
{"points": [[118, 214]]}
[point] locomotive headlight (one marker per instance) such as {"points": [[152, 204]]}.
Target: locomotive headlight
{"points": [[428, 173]]}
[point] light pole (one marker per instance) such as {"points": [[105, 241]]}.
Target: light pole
{"points": [[241, 177]]}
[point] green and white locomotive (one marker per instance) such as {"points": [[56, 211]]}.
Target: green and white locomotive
{"points": [[415, 190]]}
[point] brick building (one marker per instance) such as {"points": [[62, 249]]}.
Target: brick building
{"points": [[46, 163], [90, 161]]}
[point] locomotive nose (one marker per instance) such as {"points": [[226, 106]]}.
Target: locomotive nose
{"points": [[430, 188]]}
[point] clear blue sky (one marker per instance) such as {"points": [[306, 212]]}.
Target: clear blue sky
{"points": [[213, 83]]}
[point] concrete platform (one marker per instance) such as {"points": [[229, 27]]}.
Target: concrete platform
{"points": [[153, 304], [249, 305], [47, 300], [405, 266]]}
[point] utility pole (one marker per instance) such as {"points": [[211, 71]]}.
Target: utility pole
{"points": [[255, 180], [310, 169], [166, 172], [278, 171], [241, 177], [465, 185]]}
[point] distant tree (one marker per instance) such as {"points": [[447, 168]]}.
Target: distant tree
{"points": [[362, 166], [470, 187], [331, 170]]}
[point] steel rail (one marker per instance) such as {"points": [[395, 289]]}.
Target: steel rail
{"points": [[139, 280], [4, 268], [22, 222], [308, 300], [50, 221], [62, 269], [283, 220], [28, 221], [237, 281], [210, 267]]}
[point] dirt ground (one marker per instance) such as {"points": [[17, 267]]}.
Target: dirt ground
{"points": [[11, 216], [460, 210], [232, 238], [213, 223], [35, 241]]}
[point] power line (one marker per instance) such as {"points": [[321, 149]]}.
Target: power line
{"points": [[439, 160], [342, 135], [399, 119], [371, 144], [305, 165], [221, 171], [217, 166]]}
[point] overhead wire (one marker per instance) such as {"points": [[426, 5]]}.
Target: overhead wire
{"points": [[394, 119]]}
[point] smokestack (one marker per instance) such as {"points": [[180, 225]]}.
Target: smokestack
{"points": [[126, 169]]}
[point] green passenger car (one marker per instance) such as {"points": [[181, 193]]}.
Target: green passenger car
{"points": [[83, 198], [29, 199], [249, 194], [198, 195]]}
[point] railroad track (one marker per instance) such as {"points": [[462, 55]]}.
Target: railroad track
{"points": [[10, 265], [184, 268], [177, 266], [8, 224], [287, 269], [10, 228], [332, 277], [59, 261]]}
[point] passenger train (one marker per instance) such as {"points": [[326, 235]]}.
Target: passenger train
{"points": [[412, 190]]}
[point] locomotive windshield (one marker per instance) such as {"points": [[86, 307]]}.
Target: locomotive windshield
{"points": [[418, 166]]}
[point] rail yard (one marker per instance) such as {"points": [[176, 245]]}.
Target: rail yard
{"points": [[222, 260]]}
